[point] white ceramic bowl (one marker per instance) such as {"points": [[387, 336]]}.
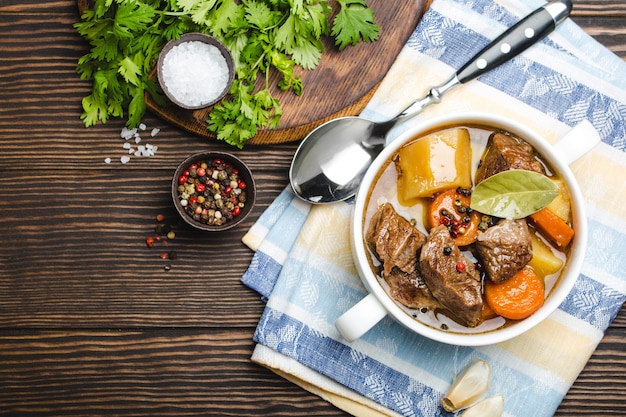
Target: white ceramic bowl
{"points": [[378, 303]]}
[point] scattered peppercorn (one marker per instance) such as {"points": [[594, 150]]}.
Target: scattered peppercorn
{"points": [[162, 230], [460, 267]]}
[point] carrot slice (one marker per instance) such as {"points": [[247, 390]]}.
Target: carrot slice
{"points": [[553, 227], [518, 297], [445, 208]]}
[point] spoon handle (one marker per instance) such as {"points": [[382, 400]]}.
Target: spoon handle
{"points": [[512, 42], [516, 39]]}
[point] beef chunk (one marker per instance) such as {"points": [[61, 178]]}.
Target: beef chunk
{"points": [[504, 249], [503, 153], [394, 240], [410, 290], [458, 289]]}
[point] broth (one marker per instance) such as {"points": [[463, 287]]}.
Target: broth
{"points": [[385, 189]]}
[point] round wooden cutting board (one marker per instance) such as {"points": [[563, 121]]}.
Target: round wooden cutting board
{"points": [[341, 85]]}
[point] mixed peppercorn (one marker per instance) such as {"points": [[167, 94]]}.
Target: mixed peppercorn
{"points": [[163, 233], [457, 224], [458, 218], [212, 192]]}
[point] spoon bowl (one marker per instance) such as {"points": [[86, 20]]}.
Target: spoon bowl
{"points": [[331, 162]]}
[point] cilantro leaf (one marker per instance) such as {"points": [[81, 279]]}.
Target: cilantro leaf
{"points": [[237, 120], [259, 15], [317, 18], [225, 17], [94, 110], [136, 107], [197, 9], [297, 37], [130, 70], [132, 17], [308, 53], [353, 23]]}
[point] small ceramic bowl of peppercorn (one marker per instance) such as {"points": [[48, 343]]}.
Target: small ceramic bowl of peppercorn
{"points": [[213, 191]]}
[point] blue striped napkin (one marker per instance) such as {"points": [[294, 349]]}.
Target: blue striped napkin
{"points": [[303, 265]]}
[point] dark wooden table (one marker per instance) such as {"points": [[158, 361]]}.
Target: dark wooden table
{"points": [[91, 323]]}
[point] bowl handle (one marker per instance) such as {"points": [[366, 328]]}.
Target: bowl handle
{"points": [[355, 322], [577, 142]]}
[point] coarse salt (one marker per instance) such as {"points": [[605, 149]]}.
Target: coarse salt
{"points": [[127, 133], [195, 73], [142, 150]]}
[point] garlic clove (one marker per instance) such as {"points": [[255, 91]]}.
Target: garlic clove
{"points": [[489, 407], [470, 386]]}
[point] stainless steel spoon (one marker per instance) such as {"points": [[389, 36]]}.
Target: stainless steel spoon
{"points": [[330, 162]]}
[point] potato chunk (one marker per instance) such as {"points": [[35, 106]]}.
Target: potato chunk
{"points": [[436, 162], [561, 204], [544, 261]]}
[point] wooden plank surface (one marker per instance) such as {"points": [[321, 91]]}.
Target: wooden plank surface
{"points": [[90, 321]]}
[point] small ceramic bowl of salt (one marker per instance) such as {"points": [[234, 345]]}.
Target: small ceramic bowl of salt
{"points": [[195, 71]]}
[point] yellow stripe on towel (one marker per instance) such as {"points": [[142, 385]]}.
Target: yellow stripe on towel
{"points": [[554, 347], [326, 233]]}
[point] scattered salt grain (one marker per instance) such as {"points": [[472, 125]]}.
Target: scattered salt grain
{"points": [[142, 150], [128, 133], [195, 73]]}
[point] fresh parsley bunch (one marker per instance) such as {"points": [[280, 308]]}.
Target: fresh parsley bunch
{"points": [[126, 37]]}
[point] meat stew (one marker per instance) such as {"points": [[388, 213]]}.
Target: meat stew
{"points": [[435, 291]]}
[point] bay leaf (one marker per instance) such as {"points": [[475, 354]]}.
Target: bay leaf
{"points": [[513, 194]]}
